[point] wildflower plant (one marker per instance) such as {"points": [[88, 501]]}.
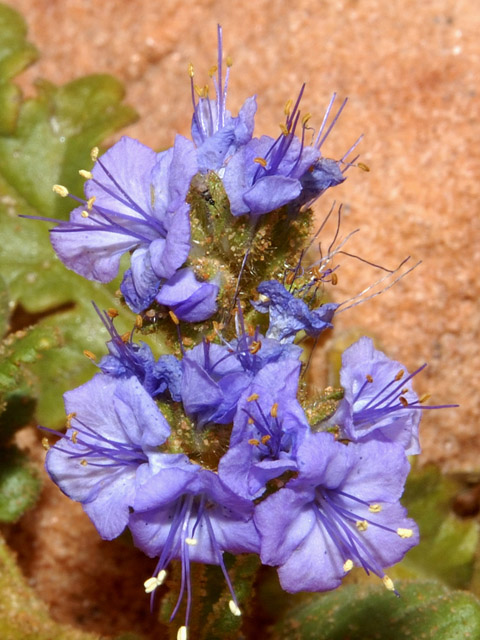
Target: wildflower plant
{"points": [[200, 433]]}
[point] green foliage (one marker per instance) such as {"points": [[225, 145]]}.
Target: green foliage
{"points": [[19, 484], [448, 544], [425, 610]]}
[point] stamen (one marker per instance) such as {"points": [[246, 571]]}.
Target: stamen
{"points": [[90, 355], [84, 214], [112, 313], [94, 154], [234, 608], [253, 397], [375, 508], [266, 438], [83, 463], [45, 444], [274, 410], [88, 175], [405, 533], [155, 581], [74, 437], [334, 279], [191, 541], [191, 71], [182, 633], [255, 347], [363, 166], [388, 582], [60, 190], [399, 375], [229, 61], [369, 378], [174, 318], [90, 202], [362, 525], [347, 566], [288, 107], [403, 401], [254, 442], [260, 161]]}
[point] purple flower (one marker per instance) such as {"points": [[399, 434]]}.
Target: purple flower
{"points": [[379, 402], [127, 358], [189, 299], [268, 428], [135, 202], [289, 314], [115, 429], [187, 513], [215, 376], [215, 132], [266, 174], [341, 511]]}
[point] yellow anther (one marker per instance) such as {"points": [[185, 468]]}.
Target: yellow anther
{"points": [[254, 442], [255, 347], [362, 525], [375, 508], [287, 109], [174, 318], [229, 61], [156, 581], [403, 401], [284, 130], [112, 313], [83, 463], [234, 608], [60, 190], [306, 118], [138, 322], [405, 533], [250, 421], [265, 439], [125, 337], [70, 417], [213, 70], [405, 390], [191, 541], [347, 566], [399, 375], [89, 354], [253, 397], [94, 154], [425, 397], [182, 633], [191, 71], [363, 166], [45, 444], [274, 410], [334, 279], [74, 437], [88, 175], [90, 202], [260, 161], [388, 582], [84, 214], [369, 378]]}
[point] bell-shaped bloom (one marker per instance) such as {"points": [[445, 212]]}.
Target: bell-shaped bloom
{"points": [[189, 299], [188, 514], [379, 402], [341, 511], [215, 376], [115, 430], [289, 314], [135, 202], [216, 133], [268, 428]]}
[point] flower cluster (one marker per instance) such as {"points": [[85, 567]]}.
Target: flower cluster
{"points": [[219, 445]]}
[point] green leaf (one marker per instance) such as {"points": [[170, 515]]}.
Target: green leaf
{"points": [[447, 543], [22, 615], [19, 484], [46, 143], [424, 610]]}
